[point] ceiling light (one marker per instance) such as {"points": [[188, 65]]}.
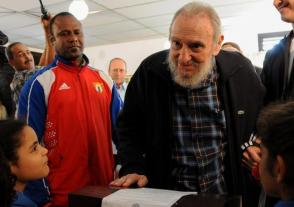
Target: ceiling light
{"points": [[79, 9]]}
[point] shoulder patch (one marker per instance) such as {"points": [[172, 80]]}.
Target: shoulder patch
{"points": [[105, 77]]}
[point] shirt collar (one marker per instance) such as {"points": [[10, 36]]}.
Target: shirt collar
{"points": [[123, 86], [84, 62]]}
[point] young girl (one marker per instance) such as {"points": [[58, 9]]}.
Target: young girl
{"points": [[22, 159], [275, 126]]}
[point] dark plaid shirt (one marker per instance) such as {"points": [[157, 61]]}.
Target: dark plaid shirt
{"points": [[18, 81], [199, 144]]}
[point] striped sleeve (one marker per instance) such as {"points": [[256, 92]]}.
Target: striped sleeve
{"points": [[33, 102]]}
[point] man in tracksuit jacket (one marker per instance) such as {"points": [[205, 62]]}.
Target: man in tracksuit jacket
{"points": [[70, 106]]}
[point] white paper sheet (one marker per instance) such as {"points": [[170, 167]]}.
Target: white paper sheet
{"points": [[143, 197]]}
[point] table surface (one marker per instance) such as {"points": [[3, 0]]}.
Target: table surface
{"points": [[91, 196]]}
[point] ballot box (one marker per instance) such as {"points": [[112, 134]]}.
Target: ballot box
{"points": [[92, 196]]}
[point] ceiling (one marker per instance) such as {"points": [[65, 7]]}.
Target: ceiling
{"points": [[117, 20]]}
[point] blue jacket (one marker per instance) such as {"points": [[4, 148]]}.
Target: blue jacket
{"points": [[22, 201]]}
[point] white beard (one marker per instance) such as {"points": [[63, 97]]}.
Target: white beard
{"points": [[186, 80]]}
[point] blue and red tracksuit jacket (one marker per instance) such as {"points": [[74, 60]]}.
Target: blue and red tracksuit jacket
{"points": [[73, 110]]}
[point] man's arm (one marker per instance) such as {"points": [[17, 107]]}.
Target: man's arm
{"points": [[130, 127], [251, 152], [129, 179], [32, 107], [251, 147], [48, 55]]}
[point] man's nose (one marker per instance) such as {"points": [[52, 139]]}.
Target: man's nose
{"points": [[185, 55], [73, 38], [27, 56]]}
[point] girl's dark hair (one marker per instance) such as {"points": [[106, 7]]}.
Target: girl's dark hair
{"points": [[275, 126], [10, 141]]}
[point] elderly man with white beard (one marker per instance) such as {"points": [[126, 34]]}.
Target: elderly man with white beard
{"points": [[187, 112]]}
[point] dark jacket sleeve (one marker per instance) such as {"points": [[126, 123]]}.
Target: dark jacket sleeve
{"points": [[131, 126], [265, 73], [273, 74], [242, 97]]}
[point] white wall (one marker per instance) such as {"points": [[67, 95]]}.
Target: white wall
{"points": [[132, 52]]}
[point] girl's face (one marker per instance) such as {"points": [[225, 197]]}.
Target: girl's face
{"points": [[32, 158]]}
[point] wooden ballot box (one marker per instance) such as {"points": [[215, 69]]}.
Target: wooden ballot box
{"points": [[91, 196]]}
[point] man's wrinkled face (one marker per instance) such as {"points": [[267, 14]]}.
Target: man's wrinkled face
{"points": [[286, 9], [193, 49], [22, 58]]}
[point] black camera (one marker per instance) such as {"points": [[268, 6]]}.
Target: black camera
{"points": [[3, 38], [45, 14]]}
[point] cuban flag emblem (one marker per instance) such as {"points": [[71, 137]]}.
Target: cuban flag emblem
{"points": [[98, 87]]}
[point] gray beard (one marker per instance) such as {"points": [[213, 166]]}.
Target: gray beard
{"points": [[186, 80]]}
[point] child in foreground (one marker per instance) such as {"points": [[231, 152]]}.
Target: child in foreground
{"points": [[275, 127], [22, 159]]}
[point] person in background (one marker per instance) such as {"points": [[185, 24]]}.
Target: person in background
{"points": [[275, 128], [6, 76], [72, 107], [278, 75], [21, 59], [234, 47], [117, 70], [187, 111], [231, 46], [22, 159]]}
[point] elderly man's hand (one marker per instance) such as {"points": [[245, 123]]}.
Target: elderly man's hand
{"points": [[251, 156], [129, 180]]}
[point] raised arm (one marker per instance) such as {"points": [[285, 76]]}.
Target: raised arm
{"points": [[48, 55]]}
